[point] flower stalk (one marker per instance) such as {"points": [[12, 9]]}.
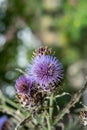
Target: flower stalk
{"points": [[75, 98], [48, 122], [51, 108]]}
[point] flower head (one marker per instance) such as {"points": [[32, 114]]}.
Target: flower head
{"points": [[45, 70], [3, 120], [35, 98], [44, 50], [23, 84], [83, 116]]}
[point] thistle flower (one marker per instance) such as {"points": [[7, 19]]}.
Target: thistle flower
{"points": [[45, 70], [23, 85], [44, 50], [83, 116], [3, 121], [35, 98], [27, 92]]}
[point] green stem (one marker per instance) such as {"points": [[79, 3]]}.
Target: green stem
{"points": [[48, 122], [60, 115], [22, 122], [6, 110], [11, 103], [51, 108], [7, 100]]}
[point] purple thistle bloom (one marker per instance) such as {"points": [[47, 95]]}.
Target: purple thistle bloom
{"points": [[45, 70], [23, 85], [3, 120]]}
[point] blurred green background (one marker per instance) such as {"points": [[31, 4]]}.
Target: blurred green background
{"points": [[27, 24]]}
